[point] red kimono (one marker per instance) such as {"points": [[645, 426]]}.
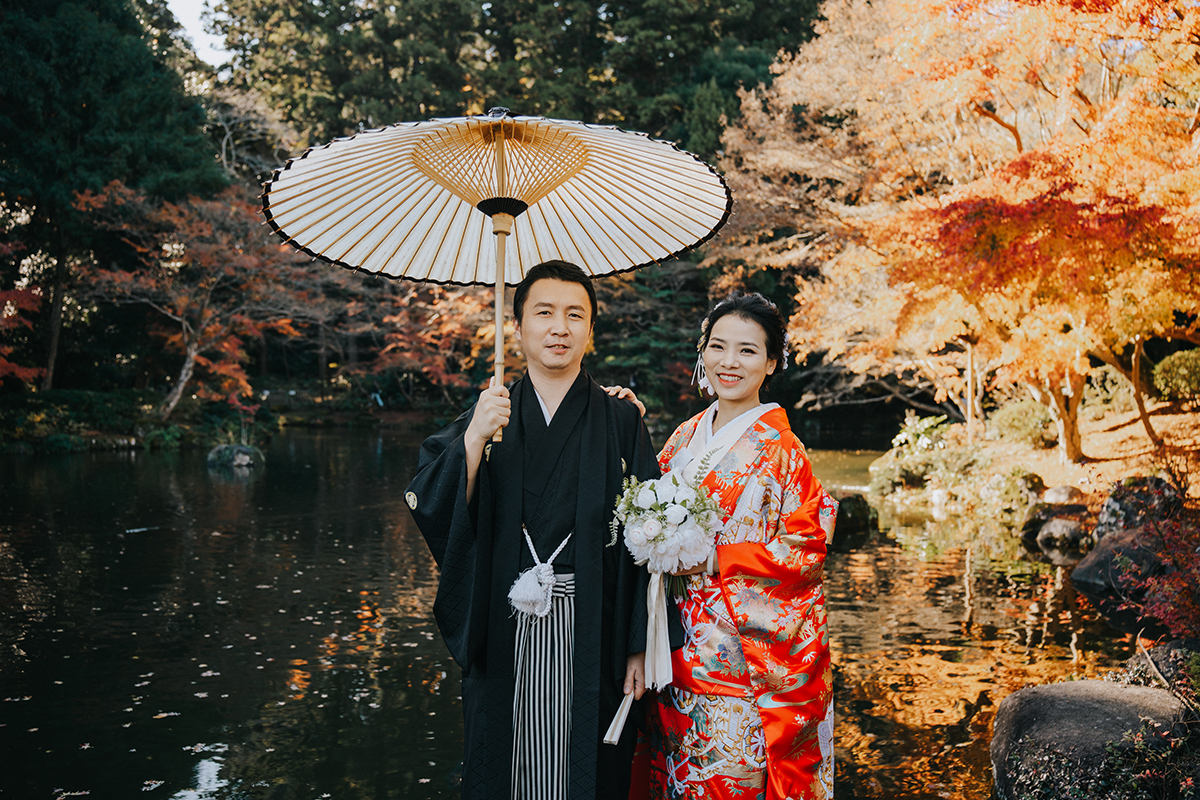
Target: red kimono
{"points": [[749, 712]]}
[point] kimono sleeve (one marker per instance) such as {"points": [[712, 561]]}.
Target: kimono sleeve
{"points": [[773, 588], [642, 464], [437, 495]]}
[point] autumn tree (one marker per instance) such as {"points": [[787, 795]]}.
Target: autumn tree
{"points": [[1017, 188], [210, 274], [1088, 231]]}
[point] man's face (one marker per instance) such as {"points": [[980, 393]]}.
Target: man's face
{"points": [[555, 325]]}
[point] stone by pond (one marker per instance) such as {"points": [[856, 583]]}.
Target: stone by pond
{"points": [[1101, 738], [200, 634]]}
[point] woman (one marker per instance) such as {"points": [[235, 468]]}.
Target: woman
{"points": [[749, 711]]}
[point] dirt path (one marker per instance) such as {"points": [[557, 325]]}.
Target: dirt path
{"points": [[1117, 446]]}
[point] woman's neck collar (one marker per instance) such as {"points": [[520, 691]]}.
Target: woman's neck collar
{"points": [[728, 412]]}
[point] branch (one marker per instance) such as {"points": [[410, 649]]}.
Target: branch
{"points": [[1184, 334], [983, 112]]}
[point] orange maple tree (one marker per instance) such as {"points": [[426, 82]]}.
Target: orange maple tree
{"points": [[1017, 188], [211, 273]]}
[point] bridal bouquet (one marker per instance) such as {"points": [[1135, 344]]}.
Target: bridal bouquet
{"points": [[669, 524]]}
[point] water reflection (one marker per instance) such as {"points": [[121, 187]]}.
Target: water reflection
{"points": [[928, 638], [166, 629], [201, 635]]}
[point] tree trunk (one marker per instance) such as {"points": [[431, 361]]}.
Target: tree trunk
{"points": [[1136, 379], [56, 308], [1063, 402], [185, 375], [322, 357], [970, 393]]}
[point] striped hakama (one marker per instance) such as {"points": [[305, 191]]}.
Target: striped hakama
{"points": [[542, 697]]}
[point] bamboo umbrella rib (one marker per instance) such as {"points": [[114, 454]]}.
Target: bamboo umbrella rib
{"points": [[451, 232], [622, 237], [609, 243], [331, 205], [411, 205], [643, 181], [349, 200], [393, 227], [301, 179], [427, 248], [414, 246], [369, 223], [605, 204], [548, 207], [424, 196], [481, 235]]}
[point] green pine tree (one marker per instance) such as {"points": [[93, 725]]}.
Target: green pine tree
{"points": [[86, 97]]}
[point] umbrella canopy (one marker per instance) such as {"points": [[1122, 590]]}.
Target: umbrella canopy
{"points": [[404, 201], [413, 200]]}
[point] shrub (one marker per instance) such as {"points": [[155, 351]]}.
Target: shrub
{"points": [[1177, 377], [927, 448], [1107, 390], [1025, 421], [1171, 595]]}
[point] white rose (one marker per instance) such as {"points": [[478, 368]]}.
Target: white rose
{"points": [[653, 529], [635, 537], [668, 488], [646, 496], [676, 513]]}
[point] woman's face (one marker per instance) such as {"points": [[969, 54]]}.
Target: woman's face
{"points": [[736, 360]]}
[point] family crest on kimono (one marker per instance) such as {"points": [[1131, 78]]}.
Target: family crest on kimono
{"points": [[546, 621], [748, 712]]}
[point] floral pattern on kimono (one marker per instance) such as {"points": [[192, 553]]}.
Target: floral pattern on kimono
{"points": [[756, 636]]}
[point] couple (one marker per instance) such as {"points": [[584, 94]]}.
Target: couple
{"points": [[546, 615]]}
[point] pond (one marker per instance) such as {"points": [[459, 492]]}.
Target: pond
{"points": [[195, 634]]}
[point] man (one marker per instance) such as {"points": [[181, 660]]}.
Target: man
{"points": [[540, 687]]}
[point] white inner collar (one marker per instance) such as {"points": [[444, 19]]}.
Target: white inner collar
{"points": [[542, 403]]}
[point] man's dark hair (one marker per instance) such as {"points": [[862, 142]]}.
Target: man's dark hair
{"points": [[555, 270], [752, 308]]}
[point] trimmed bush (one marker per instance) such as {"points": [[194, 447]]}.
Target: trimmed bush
{"points": [[1025, 421], [1107, 390], [1177, 377]]}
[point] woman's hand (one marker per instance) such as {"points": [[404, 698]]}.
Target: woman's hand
{"points": [[625, 393], [704, 566]]}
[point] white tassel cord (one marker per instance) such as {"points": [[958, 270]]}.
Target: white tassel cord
{"points": [[531, 591]]}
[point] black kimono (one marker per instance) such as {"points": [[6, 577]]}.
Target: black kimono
{"points": [[567, 476]]}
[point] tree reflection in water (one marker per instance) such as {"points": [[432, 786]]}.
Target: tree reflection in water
{"points": [[929, 634], [208, 635]]}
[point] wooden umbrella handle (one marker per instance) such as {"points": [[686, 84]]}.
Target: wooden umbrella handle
{"points": [[501, 226]]}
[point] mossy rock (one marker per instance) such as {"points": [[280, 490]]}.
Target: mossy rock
{"points": [[235, 455]]}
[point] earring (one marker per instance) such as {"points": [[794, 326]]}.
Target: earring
{"points": [[700, 376]]}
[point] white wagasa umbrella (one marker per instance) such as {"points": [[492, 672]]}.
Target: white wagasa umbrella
{"points": [[422, 200]]}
